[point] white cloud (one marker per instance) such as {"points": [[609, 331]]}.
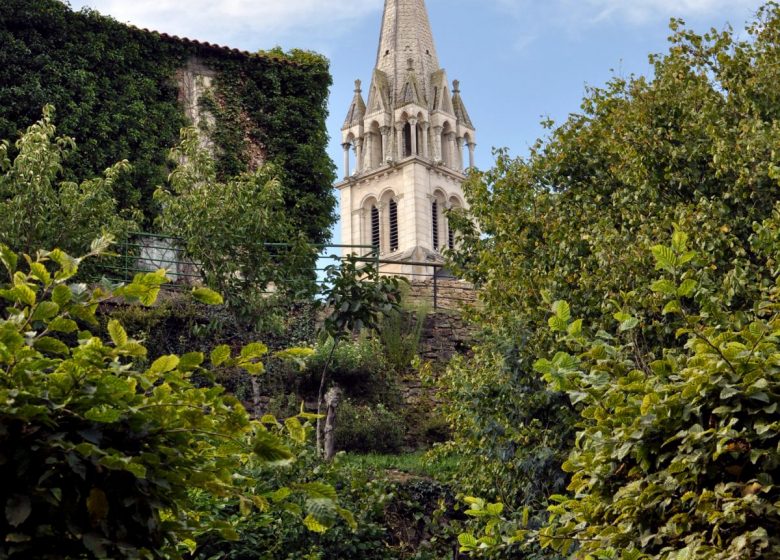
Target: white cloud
{"points": [[637, 12], [248, 24], [641, 11]]}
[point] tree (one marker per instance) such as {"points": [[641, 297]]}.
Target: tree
{"points": [[40, 212], [357, 297], [104, 454], [678, 453], [693, 147], [238, 232]]}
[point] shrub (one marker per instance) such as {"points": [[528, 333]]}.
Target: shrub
{"points": [[358, 366], [367, 428], [102, 456], [40, 209], [399, 334]]}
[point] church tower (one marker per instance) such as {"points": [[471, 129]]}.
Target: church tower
{"points": [[404, 146]]}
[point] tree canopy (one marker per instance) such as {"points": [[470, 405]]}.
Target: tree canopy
{"points": [[691, 149]]}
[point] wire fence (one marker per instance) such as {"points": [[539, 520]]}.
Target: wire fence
{"points": [[430, 283]]}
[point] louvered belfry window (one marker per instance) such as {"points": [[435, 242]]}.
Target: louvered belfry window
{"points": [[451, 238], [393, 226], [375, 227], [435, 223]]}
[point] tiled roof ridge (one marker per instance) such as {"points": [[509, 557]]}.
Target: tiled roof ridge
{"points": [[213, 46]]}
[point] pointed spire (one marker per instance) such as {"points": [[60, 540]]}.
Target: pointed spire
{"points": [[406, 35], [458, 107], [357, 109]]}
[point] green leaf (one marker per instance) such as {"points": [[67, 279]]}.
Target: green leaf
{"points": [[575, 328], [672, 307], [664, 286], [117, 333], [63, 325], [49, 345], [61, 295], [467, 542], [311, 523], [207, 296], [17, 509], [347, 516], [296, 430], [191, 361], [687, 288], [629, 324], [318, 490], [665, 258], [68, 265], [45, 311], [104, 414], [253, 368], [254, 350], [39, 272], [220, 355], [270, 449], [679, 241], [562, 310], [164, 364], [8, 258], [24, 294]]}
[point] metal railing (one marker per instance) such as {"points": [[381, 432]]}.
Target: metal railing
{"points": [[430, 282]]}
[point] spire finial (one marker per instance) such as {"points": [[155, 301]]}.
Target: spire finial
{"points": [[358, 83], [456, 86]]}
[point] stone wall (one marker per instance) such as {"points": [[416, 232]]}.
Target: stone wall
{"points": [[443, 294]]}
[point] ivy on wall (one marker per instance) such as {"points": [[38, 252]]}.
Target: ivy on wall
{"points": [[115, 91]]}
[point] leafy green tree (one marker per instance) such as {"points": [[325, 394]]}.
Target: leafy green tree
{"points": [[238, 232], [356, 296], [105, 455], [679, 452], [696, 146], [41, 210]]}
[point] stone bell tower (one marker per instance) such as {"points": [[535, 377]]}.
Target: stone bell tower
{"points": [[404, 147]]}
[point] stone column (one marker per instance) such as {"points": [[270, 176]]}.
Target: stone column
{"points": [[451, 151], [413, 129], [346, 147], [459, 159], [399, 137], [425, 126], [472, 146], [386, 155], [367, 152], [358, 154], [437, 147]]}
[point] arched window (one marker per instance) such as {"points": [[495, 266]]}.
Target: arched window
{"points": [[446, 146], [435, 223], [375, 229], [407, 140], [393, 225], [454, 204]]}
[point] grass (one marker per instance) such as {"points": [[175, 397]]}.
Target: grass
{"points": [[417, 463]]}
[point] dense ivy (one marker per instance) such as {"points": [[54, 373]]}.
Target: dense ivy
{"points": [[111, 84], [115, 91]]}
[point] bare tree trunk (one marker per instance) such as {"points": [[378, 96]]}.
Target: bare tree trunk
{"points": [[332, 400], [321, 395], [255, 396]]}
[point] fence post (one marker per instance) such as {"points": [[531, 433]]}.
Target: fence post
{"points": [[435, 290]]}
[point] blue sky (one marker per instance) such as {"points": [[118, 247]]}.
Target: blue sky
{"points": [[518, 60]]}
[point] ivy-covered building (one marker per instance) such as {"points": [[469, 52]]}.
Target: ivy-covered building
{"points": [[124, 93]]}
